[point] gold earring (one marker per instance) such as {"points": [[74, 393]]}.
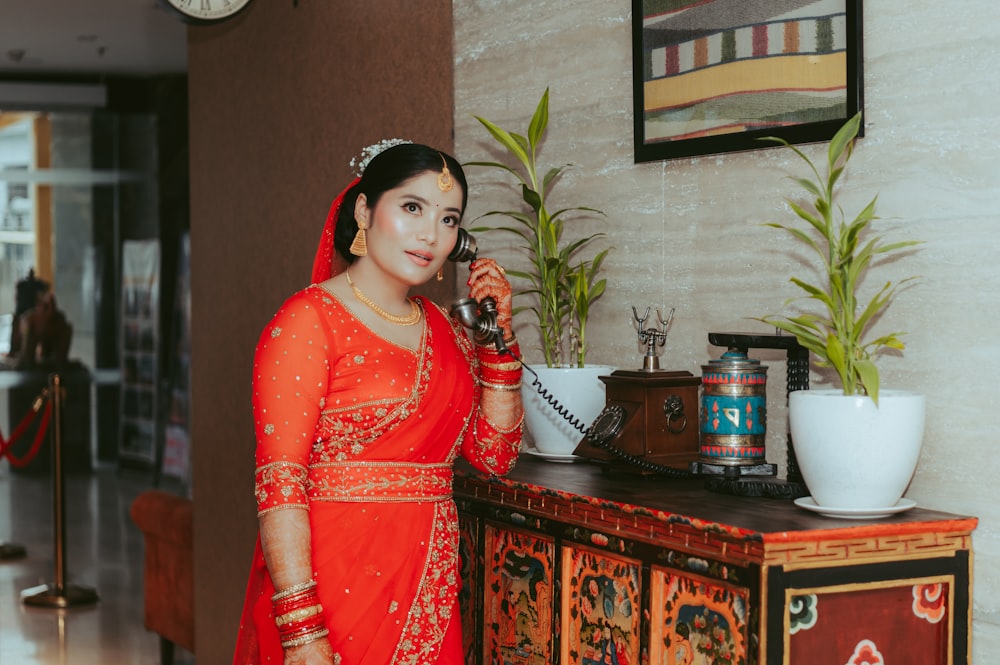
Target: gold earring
{"points": [[360, 245], [440, 275]]}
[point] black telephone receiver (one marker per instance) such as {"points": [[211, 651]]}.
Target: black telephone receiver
{"points": [[479, 317], [465, 247]]}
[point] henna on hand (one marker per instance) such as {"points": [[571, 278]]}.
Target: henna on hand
{"points": [[487, 278], [314, 653]]}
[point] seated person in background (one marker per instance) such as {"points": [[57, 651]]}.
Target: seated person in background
{"points": [[40, 334]]}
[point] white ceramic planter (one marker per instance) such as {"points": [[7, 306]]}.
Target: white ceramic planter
{"points": [[577, 389], [853, 454]]}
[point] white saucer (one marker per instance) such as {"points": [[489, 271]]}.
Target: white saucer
{"points": [[808, 503], [552, 457]]}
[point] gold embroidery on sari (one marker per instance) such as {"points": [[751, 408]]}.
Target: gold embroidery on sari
{"points": [[381, 482], [430, 613], [281, 485], [344, 432]]}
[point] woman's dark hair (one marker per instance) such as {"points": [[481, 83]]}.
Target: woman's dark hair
{"points": [[388, 170]]}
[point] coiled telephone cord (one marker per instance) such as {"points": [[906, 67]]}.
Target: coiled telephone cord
{"points": [[577, 424]]}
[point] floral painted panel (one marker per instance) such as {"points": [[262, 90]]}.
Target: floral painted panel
{"points": [[467, 596], [873, 625], [601, 607], [696, 621], [518, 606]]}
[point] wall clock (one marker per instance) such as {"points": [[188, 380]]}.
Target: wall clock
{"points": [[205, 11]]}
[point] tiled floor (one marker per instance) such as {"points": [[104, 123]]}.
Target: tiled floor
{"points": [[104, 552]]}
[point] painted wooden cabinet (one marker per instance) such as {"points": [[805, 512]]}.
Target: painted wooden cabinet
{"points": [[563, 564]]}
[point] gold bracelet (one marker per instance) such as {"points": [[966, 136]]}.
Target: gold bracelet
{"points": [[298, 615], [501, 387], [294, 589], [499, 430], [305, 639]]}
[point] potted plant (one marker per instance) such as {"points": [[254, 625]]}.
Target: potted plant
{"points": [[836, 433], [562, 285]]}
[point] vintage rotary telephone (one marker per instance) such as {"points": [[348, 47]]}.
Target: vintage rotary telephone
{"points": [[649, 423]]}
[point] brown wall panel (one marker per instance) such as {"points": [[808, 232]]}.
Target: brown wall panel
{"points": [[280, 99]]}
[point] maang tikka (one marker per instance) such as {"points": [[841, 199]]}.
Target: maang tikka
{"points": [[445, 182]]}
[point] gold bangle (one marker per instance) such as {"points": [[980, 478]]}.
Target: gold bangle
{"points": [[305, 639], [298, 615], [503, 367], [501, 387], [294, 589]]}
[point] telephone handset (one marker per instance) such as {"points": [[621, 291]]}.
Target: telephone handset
{"points": [[465, 247], [479, 317]]}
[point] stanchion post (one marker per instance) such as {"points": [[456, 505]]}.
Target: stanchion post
{"points": [[58, 594]]}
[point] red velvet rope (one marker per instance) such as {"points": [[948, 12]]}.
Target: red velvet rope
{"points": [[29, 417]]}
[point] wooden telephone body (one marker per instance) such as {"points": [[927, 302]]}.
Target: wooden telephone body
{"points": [[649, 415]]}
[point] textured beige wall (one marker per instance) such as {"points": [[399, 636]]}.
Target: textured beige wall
{"points": [[687, 232]]}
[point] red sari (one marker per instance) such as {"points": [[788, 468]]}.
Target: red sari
{"points": [[363, 433]]}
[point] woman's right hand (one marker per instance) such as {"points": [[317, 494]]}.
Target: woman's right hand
{"points": [[318, 652], [488, 278]]}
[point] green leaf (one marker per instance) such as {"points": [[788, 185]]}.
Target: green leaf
{"points": [[842, 139], [816, 222], [835, 351], [506, 140], [868, 375], [803, 236], [531, 197], [539, 121], [809, 186], [885, 249]]}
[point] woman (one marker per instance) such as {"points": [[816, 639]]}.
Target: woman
{"points": [[363, 399]]}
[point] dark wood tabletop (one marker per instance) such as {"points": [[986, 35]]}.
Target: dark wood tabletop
{"points": [[773, 519]]}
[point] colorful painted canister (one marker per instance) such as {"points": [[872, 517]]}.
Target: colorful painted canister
{"points": [[733, 410]]}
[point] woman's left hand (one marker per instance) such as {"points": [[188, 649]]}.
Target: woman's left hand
{"points": [[488, 278]]}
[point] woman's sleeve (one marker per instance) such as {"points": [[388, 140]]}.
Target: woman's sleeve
{"points": [[490, 446], [291, 370]]}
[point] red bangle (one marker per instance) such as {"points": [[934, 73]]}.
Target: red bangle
{"points": [[490, 352], [291, 603], [492, 374], [299, 628]]}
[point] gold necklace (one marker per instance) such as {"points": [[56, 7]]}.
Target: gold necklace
{"points": [[407, 320]]}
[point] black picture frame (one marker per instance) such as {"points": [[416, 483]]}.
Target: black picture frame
{"points": [[716, 76]]}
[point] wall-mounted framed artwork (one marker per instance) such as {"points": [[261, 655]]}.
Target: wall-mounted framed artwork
{"points": [[713, 76]]}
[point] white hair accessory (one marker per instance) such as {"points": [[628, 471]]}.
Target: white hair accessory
{"points": [[360, 163]]}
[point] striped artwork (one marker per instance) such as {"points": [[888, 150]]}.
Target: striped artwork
{"points": [[718, 67]]}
